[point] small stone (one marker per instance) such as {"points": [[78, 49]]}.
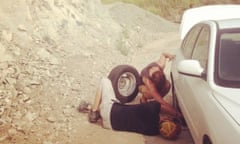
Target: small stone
{"points": [[53, 60], [12, 132], [6, 35], [2, 138], [19, 86], [25, 98], [2, 122], [22, 28], [1, 111], [47, 142], [3, 65], [27, 90], [11, 81], [51, 119], [31, 116]]}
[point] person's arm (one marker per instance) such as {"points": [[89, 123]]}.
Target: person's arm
{"points": [[163, 59], [153, 91], [166, 108]]}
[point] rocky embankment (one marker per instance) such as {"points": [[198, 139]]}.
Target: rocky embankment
{"points": [[52, 54]]}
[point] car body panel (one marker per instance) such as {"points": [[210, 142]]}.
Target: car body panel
{"points": [[210, 109], [203, 13], [231, 103]]}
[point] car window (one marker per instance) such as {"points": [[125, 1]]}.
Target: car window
{"points": [[189, 41], [200, 51], [229, 56]]}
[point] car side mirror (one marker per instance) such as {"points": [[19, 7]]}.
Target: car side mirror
{"points": [[191, 68]]}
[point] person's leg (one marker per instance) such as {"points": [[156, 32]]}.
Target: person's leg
{"points": [[108, 98], [94, 114], [97, 100], [104, 94], [86, 107], [103, 102]]}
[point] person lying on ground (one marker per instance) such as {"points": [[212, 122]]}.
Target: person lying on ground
{"points": [[143, 118], [154, 72]]}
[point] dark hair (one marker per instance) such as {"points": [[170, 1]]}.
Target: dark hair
{"points": [[159, 79]]}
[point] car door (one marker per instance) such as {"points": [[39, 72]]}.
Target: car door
{"points": [[193, 91]]}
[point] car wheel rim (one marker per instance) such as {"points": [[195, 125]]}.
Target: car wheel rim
{"points": [[126, 84]]}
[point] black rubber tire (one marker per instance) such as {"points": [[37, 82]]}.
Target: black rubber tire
{"points": [[175, 102], [174, 97], [116, 74]]}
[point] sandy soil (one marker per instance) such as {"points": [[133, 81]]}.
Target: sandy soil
{"points": [[53, 54]]}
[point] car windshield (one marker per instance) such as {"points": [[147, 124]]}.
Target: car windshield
{"points": [[229, 58]]}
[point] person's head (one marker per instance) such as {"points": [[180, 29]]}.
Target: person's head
{"points": [[164, 90], [157, 76]]}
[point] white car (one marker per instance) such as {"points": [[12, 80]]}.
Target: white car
{"points": [[206, 79]]}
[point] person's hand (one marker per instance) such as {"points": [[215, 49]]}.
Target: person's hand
{"points": [[171, 57], [150, 85], [143, 90]]}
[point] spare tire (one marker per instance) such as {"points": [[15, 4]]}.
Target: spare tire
{"points": [[125, 81]]}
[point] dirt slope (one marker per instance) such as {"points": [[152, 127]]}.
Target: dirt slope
{"points": [[52, 55]]}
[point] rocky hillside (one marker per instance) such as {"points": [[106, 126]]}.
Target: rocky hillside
{"points": [[52, 54]]}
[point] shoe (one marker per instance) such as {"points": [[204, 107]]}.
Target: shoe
{"points": [[84, 107], [93, 116]]}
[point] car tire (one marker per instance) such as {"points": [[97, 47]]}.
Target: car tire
{"points": [[174, 97], [125, 81], [175, 102]]}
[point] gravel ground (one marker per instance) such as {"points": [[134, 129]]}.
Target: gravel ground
{"points": [[53, 54]]}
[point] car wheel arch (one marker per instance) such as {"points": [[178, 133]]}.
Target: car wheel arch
{"points": [[174, 98], [206, 139]]}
